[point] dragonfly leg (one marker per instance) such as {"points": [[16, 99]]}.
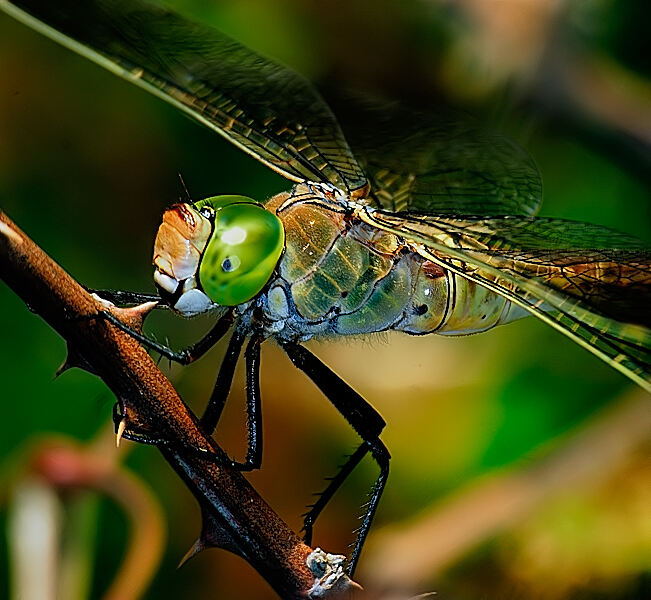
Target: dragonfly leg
{"points": [[253, 405], [219, 396], [310, 517], [118, 297], [216, 405], [382, 457], [222, 388], [366, 422], [185, 356]]}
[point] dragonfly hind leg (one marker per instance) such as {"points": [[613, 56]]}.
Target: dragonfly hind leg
{"points": [[366, 422]]}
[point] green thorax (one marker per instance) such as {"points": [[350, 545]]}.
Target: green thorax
{"points": [[338, 275]]}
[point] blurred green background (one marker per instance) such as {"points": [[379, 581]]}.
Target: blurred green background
{"points": [[87, 165]]}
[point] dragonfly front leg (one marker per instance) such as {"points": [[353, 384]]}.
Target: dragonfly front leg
{"points": [[214, 409], [223, 383], [219, 397], [216, 405], [119, 297], [222, 387], [366, 422], [185, 356]]}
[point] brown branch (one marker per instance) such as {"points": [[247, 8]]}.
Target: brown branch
{"points": [[235, 517]]}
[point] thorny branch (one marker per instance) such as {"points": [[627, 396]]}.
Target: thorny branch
{"points": [[234, 516]]}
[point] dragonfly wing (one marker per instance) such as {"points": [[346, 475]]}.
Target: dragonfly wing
{"points": [[437, 162], [591, 283], [264, 108]]}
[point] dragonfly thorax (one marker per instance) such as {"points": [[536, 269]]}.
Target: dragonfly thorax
{"points": [[340, 276]]}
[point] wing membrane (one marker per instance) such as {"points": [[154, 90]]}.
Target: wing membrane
{"points": [[266, 109], [589, 282], [436, 162]]}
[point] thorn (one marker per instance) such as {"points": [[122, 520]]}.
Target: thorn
{"points": [[144, 309], [197, 547], [134, 316], [120, 432], [138, 314], [74, 360]]}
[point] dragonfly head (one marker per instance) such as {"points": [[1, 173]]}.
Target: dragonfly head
{"points": [[220, 251]]}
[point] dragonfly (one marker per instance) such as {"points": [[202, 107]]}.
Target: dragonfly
{"points": [[395, 220]]}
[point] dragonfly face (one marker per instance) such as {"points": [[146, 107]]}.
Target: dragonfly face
{"points": [[181, 240], [220, 251]]}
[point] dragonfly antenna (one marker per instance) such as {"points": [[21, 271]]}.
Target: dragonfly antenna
{"points": [[185, 188]]}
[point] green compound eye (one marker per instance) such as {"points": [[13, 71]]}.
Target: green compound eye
{"points": [[219, 202], [242, 252]]}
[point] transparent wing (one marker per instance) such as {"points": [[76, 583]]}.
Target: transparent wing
{"points": [[436, 162], [591, 283], [266, 109]]}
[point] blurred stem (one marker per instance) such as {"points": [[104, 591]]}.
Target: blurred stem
{"points": [[33, 532], [77, 554], [147, 535], [73, 476]]}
